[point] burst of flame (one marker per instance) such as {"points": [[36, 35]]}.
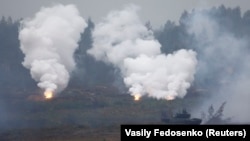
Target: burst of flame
{"points": [[137, 97], [169, 97], [48, 94]]}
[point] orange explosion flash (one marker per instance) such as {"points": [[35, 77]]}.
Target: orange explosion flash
{"points": [[137, 97], [48, 94]]}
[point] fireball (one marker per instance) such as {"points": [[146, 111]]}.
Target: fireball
{"points": [[48, 94], [137, 97]]}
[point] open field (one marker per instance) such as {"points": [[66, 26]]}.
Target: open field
{"points": [[80, 114]]}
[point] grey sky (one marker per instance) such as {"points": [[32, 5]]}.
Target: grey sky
{"points": [[157, 11]]}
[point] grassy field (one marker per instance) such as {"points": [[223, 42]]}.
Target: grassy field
{"points": [[81, 114]]}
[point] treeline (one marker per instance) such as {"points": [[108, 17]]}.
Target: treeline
{"points": [[174, 37], [89, 72], [12, 74]]}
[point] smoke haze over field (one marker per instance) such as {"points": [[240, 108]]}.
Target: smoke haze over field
{"points": [[48, 41], [202, 60], [224, 55], [125, 42]]}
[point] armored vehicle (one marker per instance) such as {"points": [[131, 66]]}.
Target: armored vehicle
{"points": [[181, 118]]}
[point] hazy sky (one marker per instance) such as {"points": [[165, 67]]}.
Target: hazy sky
{"points": [[156, 11]]}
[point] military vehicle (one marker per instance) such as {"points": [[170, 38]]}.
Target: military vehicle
{"points": [[181, 118]]}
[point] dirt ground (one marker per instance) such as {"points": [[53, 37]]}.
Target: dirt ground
{"points": [[62, 134]]}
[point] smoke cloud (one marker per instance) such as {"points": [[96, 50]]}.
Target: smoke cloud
{"points": [[122, 40], [48, 41], [222, 58]]}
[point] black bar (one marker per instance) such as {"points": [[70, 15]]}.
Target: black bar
{"points": [[194, 132]]}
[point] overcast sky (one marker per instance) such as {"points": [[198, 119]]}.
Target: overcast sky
{"points": [[155, 11]]}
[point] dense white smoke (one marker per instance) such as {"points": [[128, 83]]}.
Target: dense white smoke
{"points": [[225, 55], [125, 42], [48, 41]]}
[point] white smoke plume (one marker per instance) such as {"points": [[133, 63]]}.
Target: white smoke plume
{"points": [[224, 55], [122, 40], [48, 41]]}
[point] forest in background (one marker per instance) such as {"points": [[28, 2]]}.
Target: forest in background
{"points": [[90, 72]]}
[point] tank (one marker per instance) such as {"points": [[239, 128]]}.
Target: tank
{"points": [[181, 118]]}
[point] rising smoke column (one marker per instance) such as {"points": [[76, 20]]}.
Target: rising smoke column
{"points": [[124, 41], [48, 41]]}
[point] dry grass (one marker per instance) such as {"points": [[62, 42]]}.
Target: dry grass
{"points": [[80, 115]]}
